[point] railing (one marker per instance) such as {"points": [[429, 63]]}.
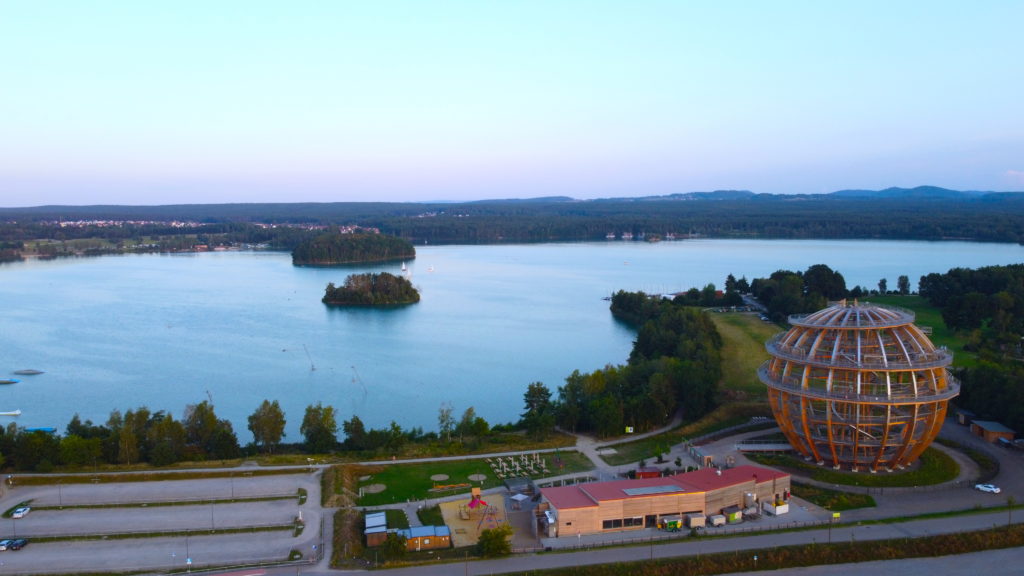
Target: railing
{"points": [[903, 317], [951, 391], [937, 359]]}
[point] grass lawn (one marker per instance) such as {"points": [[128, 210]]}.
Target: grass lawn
{"points": [[743, 338], [928, 315], [405, 482], [934, 467], [833, 500]]}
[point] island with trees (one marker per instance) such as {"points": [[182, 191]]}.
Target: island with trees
{"points": [[381, 289], [337, 248]]}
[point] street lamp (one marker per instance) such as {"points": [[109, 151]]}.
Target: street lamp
{"points": [[60, 495]]}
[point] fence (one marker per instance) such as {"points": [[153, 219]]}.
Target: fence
{"points": [[745, 528]]}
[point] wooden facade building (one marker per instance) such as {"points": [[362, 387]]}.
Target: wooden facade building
{"points": [[644, 502]]}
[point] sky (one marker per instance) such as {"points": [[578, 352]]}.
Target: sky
{"points": [[169, 102]]}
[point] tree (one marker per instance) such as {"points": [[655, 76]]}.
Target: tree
{"points": [[495, 542], [539, 418], [742, 285], [903, 285], [445, 421], [210, 435], [883, 285], [319, 428], [267, 425], [393, 547], [822, 280], [166, 440], [355, 434], [78, 451], [200, 424]]}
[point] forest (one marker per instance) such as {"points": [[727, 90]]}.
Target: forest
{"points": [[986, 306], [674, 364], [381, 289], [336, 248], [918, 214]]}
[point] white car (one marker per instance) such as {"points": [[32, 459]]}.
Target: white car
{"points": [[990, 488], [4, 544], [20, 512]]}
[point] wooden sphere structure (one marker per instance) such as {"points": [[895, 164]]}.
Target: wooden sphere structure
{"points": [[858, 386]]}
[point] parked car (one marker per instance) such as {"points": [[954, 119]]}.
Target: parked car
{"points": [[4, 544], [17, 544], [990, 488], [20, 512]]}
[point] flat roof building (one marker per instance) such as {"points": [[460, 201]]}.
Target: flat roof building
{"points": [[641, 503]]}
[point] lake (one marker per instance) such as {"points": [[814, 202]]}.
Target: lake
{"points": [[164, 331]]}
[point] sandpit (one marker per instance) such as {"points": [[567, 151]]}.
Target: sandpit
{"points": [[373, 488], [466, 532]]}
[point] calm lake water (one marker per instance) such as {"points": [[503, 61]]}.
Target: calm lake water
{"points": [[164, 331]]}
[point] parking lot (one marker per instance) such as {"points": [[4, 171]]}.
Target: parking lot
{"points": [[87, 516]]}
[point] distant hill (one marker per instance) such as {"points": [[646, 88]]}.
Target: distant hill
{"points": [[918, 192], [713, 195]]}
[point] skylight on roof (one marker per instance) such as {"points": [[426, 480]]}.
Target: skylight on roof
{"points": [[648, 490]]}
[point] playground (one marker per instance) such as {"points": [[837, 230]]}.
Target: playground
{"points": [[468, 517]]}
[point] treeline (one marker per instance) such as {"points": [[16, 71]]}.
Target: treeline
{"points": [[991, 217], [336, 248], [674, 364], [142, 436], [986, 306], [134, 437], [381, 289]]}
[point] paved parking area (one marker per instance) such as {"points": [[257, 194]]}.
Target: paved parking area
{"points": [[57, 511]]}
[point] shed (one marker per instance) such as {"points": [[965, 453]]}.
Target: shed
{"points": [[964, 416], [733, 514], [426, 537], [991, 431], [648, 472], [376, 531]]}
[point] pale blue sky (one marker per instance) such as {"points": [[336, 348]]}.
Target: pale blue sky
{"points": [[215, 101]]}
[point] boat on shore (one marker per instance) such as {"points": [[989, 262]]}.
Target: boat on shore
{"points": [[9, 380], [11, 413], [28, 372]]}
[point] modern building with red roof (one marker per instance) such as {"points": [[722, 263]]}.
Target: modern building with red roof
{"points": [[641, 503]]}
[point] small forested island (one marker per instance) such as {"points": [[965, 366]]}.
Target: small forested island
{"points": [[337, 248], [381, 289]]}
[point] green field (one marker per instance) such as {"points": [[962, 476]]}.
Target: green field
{"points": [[743, 338], [404, 482], [934, 467]]}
